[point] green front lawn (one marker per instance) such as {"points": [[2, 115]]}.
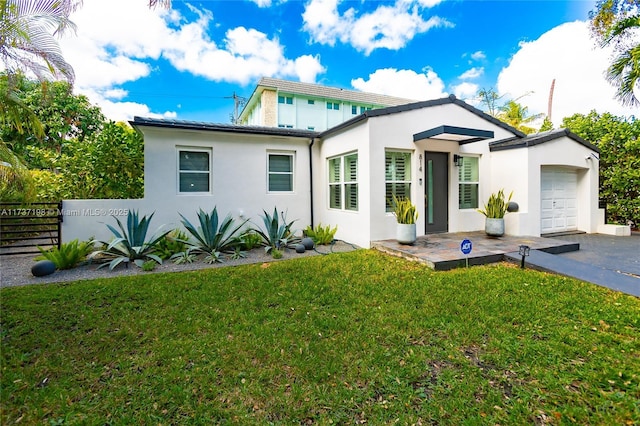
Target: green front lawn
{"points": [[343, 339]]}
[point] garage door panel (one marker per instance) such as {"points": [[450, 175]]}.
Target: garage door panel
{"points": [[559, 204]]}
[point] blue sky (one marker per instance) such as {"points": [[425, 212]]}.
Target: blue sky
{"points": [[185, 62]]}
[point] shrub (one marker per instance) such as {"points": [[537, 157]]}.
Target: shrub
{"points": [[212, 237], [149, 266], [69, 255], [276, 235], [251, 240], [404, 211], [172, 243], [130, 244], [496, 206], [321, 235]]}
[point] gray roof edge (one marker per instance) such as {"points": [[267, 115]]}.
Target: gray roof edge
{"points": [[220, 127], [424, 104], [540, 138]]}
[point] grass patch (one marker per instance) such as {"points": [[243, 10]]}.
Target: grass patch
{"points": [[342, 339]]}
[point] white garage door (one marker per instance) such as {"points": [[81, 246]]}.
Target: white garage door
{"points": [[559, 188]]}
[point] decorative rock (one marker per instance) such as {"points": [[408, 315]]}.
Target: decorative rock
{"points": [[512, 207], [43, 268], [300, 248], [308, 243]]}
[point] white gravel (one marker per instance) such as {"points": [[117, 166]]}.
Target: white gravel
{"points": [[16, 270]]}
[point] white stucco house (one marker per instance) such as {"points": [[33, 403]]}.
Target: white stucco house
{"points": [[444, 154]]}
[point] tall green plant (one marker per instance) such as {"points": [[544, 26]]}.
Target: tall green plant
{"points": [[276, 234], [496, 206], [212, 236], [69, 255], [131, 243], [321, 235], [404, 211]]}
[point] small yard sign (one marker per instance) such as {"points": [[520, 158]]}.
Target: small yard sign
{"points": [[465, 248]]}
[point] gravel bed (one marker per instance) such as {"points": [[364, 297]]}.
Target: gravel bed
{"points": [[16, 270]]}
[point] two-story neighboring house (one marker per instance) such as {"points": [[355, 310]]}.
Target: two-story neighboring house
{"points": [[306, 106]]}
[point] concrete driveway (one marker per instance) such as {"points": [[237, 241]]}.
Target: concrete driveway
{"points": [[620, 254]]}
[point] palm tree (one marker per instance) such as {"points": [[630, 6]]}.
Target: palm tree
{"points": [[163, 3], [624, 72], [517, 116], [615, 23], [28, 30]]}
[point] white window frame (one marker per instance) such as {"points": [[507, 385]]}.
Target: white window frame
{"points": [[208, 151], [342, 183], [464, 182], [407, 181], [292, 173]]}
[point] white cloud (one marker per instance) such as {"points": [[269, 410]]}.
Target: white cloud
{"points": [[390, 27], [478, 56], [117, 42], [472, 73], [465, 90], [567, 54], [403, 83]]}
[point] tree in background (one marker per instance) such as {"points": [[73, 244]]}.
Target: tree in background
{"points": [[82, 155], [63, 117], [619, 142], [28, 30], [511, 112], [108, 164], [517, 115], [616, 23]]}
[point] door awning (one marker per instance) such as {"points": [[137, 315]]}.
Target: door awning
{"points": [[461, 135]]}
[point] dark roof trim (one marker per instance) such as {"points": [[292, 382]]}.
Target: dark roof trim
{"points": [[218, 127], [537, 139], [451, 99], [473, 135]]}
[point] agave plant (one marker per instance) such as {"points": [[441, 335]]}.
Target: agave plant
{"points": [[213, 237], [131, 243], [276, 234]]}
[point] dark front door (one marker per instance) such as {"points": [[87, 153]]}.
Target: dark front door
{"points": [[436, 195]]}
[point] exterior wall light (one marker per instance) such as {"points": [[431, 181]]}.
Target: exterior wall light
{"points": [[457, 160], [523, 251]]}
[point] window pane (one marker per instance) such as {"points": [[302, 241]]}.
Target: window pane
{"points": [[468, 171], [354, 109], [280, 99], [468, 196], [351, 168], [351, 196], [281, 182], [335, 197], [397, 189], [280, 163], [190, 160], [194, 182], [334, 170], [289, 101], [329, 105], [397, 166], [336, 106]]}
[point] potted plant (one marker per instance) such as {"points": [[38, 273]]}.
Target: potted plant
{"points": [[406, 215], [494, 211]]}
